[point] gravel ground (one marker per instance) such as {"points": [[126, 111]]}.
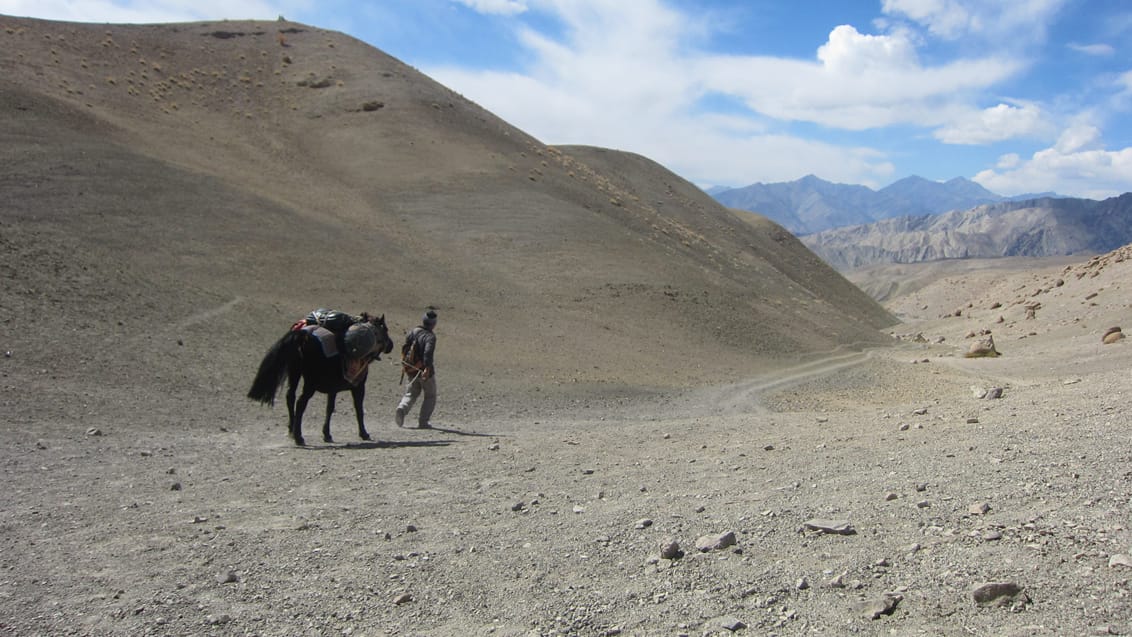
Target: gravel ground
{"points": [[187, 513]]}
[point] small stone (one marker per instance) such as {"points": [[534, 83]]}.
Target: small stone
{"points": [[94, 431], [972, 421], [220, 620], [923, 504], [403, 598], [643, 523], [999, 594], [731, 624], [176, 486], [715, 542], [410, 529], [991, 536], [837, 527], [981, 508], [904, 426], [921, 486], [802, 584], [1120, 559], [228, 577], [890, 496], [994, 393], [518, 506], [876, 607], [670, 549]]}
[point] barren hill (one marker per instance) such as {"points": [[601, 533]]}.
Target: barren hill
{"points": [[247, 172]]}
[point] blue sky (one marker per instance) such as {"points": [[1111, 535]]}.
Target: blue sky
{"points": [[1018, 95]]}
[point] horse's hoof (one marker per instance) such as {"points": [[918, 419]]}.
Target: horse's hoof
{"points": [[300, 442], [365, 436], [327, 439]]}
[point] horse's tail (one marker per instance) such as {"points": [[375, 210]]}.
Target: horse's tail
{"points": [[273, 369]]}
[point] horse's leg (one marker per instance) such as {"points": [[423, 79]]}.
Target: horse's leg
{"points": [[292, 385], [300, 407], [359, 394], [330, 396]]}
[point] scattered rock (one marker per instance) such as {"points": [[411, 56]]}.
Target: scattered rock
{"points": [[1112, 335], [1120, 559], [228, 577], [403, 598], [643, 523], [979, 509], [670, 549], [999, 594], [876, 607], [715, 542], [834, 527], [982, 348], [94, 431]]}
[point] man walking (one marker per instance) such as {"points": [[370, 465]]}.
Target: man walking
{"points": [[420, 345]]}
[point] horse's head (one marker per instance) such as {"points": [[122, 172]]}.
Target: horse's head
{"points": [[385, 344]]}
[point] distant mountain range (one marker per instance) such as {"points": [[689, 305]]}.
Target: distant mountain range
{"points": [[1039, 227], [811, 204]]}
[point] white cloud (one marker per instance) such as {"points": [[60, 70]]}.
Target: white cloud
{"points": [[1068, 168], [848, 51], [945, 18], [859, 82], [1098, 50], [1077, 137], [994, 124], [1025, 20], [497, 7]]}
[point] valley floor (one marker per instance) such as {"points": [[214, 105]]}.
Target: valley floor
{"points": [[174, 515]]}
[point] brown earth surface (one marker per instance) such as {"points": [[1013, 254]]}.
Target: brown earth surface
{"points": [[614, 377]]}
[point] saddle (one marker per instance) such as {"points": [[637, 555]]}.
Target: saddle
{"points": [[340, 333]]}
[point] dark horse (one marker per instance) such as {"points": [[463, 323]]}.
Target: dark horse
{"points": [[298, 354]]}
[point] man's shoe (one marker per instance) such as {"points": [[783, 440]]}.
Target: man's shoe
{"points": [[424, 425], [400, 417]]}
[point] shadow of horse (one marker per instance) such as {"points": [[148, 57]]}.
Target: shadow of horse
{"points": [[299, 355], [379, 444], [459, 432]]}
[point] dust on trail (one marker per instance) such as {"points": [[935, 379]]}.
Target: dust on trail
{"points": [[746, 396]]}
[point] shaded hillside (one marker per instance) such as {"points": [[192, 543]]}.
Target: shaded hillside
{"points": [[1038, 228], [185, 191], [811, 204]]}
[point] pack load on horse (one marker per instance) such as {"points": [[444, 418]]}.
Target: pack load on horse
{"points": [[331, 352], [339, 332]]}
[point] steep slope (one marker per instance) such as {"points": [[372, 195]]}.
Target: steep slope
{"points": [[185, 191], [1038, 228]]}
